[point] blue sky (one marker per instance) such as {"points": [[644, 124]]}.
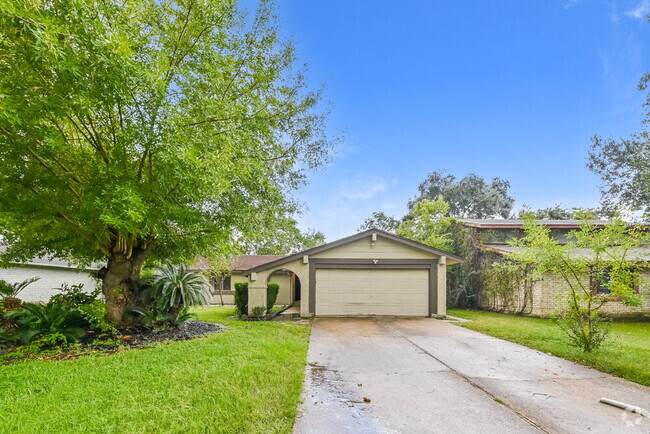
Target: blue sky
{"points": [[508, 88]]}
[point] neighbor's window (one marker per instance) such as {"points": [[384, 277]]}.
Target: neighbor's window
{"points": [[600, 282]]}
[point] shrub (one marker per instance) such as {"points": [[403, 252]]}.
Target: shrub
{"points": [[241, 298], [168, 292], [48, 323], [154, 318], [258, 311], [10, 291], [89, 305], [272, 290]]}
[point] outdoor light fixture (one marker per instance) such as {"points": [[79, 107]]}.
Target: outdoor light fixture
{"points": [[373, 240]]}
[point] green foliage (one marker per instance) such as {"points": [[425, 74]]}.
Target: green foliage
{"points": [[48, 323], [241, 298], [258, 311], [428, 224], [272, 290], [88, 304], [507, 286], [174, 286], [7, 338], [246, 380], [283, 240], [379, 220], [623, 166], [13, 289], [152, 317], [167, 294], [469, 197], [148, 130], [559, 212], [596, 252], [627, 358]]}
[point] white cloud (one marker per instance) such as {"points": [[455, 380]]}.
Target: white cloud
{"points": [[640, 11], [571, 3], [361, 189]]}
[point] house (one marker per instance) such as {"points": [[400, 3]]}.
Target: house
{"points": [[486, 243], [369, 273], [52, 274], [285, 279]]}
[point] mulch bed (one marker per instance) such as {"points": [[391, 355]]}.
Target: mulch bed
{"points": [[190, 330], [129, 339]]}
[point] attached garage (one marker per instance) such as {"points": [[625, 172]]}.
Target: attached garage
{"points": [[370, 273], [372, 292]]}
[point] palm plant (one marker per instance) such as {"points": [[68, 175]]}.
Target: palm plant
{"points": [[173, 288], [10, 291], [37, 321]]}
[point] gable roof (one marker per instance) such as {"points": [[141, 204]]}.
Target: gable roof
{"points": [[519, 223], [49, 261], [328, 246], [239, 263]]}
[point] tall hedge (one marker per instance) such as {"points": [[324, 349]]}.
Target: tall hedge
{"points": [[272, 290], [241, 297]]}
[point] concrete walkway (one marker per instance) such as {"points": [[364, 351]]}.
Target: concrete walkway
{"points": [[424, 375]]}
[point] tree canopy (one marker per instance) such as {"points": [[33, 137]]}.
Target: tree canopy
{"points": [[468, 197], [428, 224], [380, 220], [148, 129]]}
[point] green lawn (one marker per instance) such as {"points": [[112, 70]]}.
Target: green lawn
{"points": [[626, 353], [246, 379]]}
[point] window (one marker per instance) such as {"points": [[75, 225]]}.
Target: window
{"points": [[226, 283], [600, 281]]}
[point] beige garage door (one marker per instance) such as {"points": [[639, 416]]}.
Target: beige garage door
{"points": [[372, 292]]}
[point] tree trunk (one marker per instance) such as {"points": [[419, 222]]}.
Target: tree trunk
{"points": [[120, 283]]}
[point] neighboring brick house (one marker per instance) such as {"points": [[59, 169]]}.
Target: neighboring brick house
{"points": [[52, 274], [486, 242]]}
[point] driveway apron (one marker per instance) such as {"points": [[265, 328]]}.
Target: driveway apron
{"points": [[383, 375]]}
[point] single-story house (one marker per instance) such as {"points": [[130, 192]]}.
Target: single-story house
{"points": [[538, 297], [226, 284], [369, 273], [52, 274]]}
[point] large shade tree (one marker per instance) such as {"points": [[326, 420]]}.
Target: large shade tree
{"points": [[147, 129], [624, 166], [469, 197]]}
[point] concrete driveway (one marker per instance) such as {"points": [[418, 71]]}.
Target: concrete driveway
{"points": [[425, 375]]}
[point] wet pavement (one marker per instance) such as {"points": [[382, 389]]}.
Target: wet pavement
{"points": [[420, 375]]}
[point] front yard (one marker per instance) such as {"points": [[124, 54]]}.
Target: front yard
{"points": [[625, 354], [246, 379]]}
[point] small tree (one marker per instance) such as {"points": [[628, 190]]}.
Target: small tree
{"points": [[427, 223], [219, 270], [597, 267]]}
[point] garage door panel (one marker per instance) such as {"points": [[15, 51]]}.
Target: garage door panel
{"points": [[372, 292]]}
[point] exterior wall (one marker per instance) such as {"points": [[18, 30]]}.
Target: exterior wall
{"points": [[50, 278], [383, 249], [283, 279], [549, 295], [257, 287]]}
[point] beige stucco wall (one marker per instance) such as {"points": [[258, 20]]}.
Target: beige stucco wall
{"points": [[50, 278], [280, 277], [383, 249]]}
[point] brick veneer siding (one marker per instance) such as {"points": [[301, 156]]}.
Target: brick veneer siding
{"points": [[549, 295], [50, 278]]}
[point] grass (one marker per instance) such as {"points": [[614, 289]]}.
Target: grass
{"points": [[625, 354], [246, 379]]}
